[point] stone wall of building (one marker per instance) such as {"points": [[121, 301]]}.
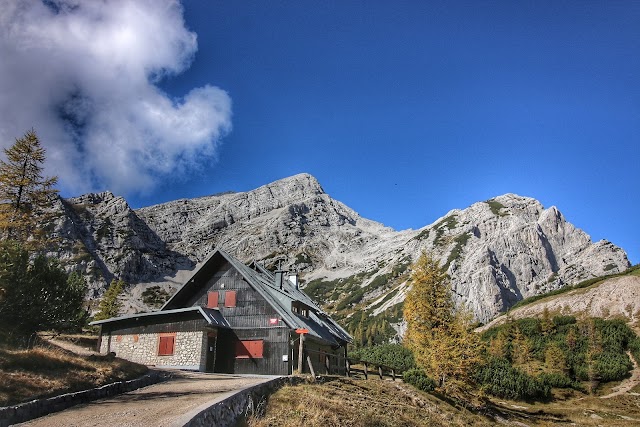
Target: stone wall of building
{"points": [[189, 349]]}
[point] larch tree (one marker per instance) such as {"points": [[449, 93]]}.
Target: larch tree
{"points": [[438, 334], [24, 191]]}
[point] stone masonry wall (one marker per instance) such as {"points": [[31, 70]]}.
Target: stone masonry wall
{"points": [[189, 349], [10, 415], [231, 411]]}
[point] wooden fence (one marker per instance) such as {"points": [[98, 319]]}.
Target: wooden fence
{"points": [[339, 365], [355, 367]]}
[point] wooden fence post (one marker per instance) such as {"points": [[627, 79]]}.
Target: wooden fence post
{"points": [[313, 373], [301, 354]]}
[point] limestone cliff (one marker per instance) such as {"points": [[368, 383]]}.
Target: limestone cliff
{"points": [[496, 252]]}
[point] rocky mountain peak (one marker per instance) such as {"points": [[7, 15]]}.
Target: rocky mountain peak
{"points": [[496, 252]]}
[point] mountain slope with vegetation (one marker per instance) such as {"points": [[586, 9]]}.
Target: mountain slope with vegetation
{"points": [[496, 252], [608, 297]]}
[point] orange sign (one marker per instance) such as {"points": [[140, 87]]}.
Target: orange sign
{"points": [[302, 331]]}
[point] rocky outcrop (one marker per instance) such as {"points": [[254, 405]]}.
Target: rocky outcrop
{"points": [[102, 237], [496, 252], [511, 247]]}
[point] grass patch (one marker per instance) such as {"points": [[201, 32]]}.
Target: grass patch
{"points": [[496, 207], [461, 241], [449, 222], [47, 371], [424, 235], [347, 402]]}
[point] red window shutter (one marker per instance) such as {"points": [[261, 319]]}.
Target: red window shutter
{"points": [[242, 352], [256, 349], [166, 344], [230, 299], [212, 299], [249, 349]]}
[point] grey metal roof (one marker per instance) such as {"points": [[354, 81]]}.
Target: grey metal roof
{"points": [[319, 323], [212, 316]]}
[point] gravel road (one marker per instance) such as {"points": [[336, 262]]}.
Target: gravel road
{"points": [[170, 403]]}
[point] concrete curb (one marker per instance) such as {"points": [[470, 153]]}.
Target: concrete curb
{"points": [[227, 412], [37, 408]]}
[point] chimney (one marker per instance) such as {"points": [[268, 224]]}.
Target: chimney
{"points": [[279, 278], [293, 278]]}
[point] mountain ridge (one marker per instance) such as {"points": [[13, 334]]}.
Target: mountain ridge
{"points": [[496, 251]]}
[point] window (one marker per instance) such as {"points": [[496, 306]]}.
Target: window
{"points": [[230, 298], [300, 309], [212, 299], [166, 344], [246, 349]]}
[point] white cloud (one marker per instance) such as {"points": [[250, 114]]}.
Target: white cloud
{"points": [[84, 74]]}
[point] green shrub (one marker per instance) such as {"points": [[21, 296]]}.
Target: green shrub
{"points": [[417, 378], [499, 378], [612, 366], [155, 296], [634, 347], [564, 320], [554, 379], [391, 355]]}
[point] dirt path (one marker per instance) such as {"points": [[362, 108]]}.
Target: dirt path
{"points": [[170, 403], [627, 384], [69, 346]]}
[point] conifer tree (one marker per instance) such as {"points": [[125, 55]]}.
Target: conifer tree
{"points": [[555, 359], [37, 294], [110, 305], [498, 346], [24, 192], [521, 350], [439, 336]]}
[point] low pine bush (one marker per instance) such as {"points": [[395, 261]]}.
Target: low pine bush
{"points": [[392, 355], [417, 378], [499, 378]]}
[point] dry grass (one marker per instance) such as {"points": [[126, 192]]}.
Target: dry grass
{"points": [[574, 408], [47, 371], [357, 403]]}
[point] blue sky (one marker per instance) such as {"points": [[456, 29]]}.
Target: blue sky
{"points": [[402, 110]]}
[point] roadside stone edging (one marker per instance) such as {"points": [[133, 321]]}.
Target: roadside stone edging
{"points": [[37, 408], [227, 412]]}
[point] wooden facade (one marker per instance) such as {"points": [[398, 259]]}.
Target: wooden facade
{"points": [[231, 318]]}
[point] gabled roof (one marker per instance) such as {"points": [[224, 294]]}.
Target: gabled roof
{"points": [[319, 324], [212, 316]]}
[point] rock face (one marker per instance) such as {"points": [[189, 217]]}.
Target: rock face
{"points": [[496, 252]]}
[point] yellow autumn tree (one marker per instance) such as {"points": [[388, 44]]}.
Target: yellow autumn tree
{"points": [[521, 351], [438, 334], [24, 191]]}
